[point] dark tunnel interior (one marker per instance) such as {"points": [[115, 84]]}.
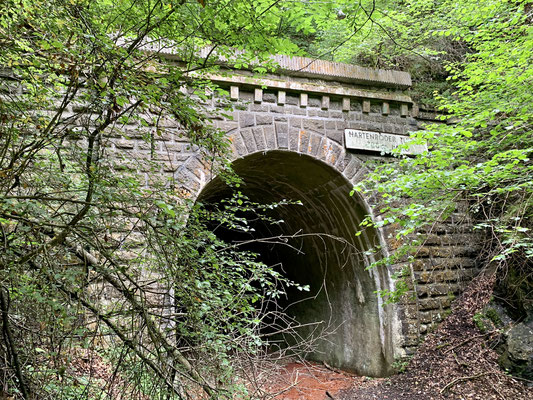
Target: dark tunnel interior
{"points": [[324, 254]]}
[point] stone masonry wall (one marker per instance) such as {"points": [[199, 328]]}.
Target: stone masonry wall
{"points": [[308, 116], [309, 123]]}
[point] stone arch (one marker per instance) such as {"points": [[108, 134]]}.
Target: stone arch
{"points": [[195, 173], [374, 355]]}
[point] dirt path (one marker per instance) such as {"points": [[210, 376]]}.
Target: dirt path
{"points": [[455, 362], [311, 381]]}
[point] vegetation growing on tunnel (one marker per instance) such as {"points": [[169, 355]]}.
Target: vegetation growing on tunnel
{"points": [[74, 79], [480, 159]]}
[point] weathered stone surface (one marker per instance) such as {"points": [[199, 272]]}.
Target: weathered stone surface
{"points": [[263, 119], [295, 122], [314, 102], [314, 144], [309, 117], [294, 138], [316, 89], [330, 124], [291, 100], [325, 102], [295, 110], [336, 114], [335, 105], [248, 139], [246, 119], [436, 303], [335, 135], [281, 127], [246, 97], [439, 289], [351, 169], [514, 345], [270, 137], [277, 109], [341, 125], [259, 138], [282, 136], [316, 125], [227, 126], [259, 108], [269, 97], [520, 342], [346, 106], [281, 97], [303, 145], [258, 95], [234, 93], [303, 99]]}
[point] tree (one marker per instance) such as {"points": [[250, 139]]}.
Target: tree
{"points": [[482, 156], [78, 221]]}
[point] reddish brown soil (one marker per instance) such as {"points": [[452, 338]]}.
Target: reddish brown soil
{"points": [[311, 381]]}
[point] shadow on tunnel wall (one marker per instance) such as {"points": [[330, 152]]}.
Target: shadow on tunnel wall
{"points": [[324, 254]]}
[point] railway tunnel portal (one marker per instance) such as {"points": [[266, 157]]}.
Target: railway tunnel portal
{"points": [[306, 132]]}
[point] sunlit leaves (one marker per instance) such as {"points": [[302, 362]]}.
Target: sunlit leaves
{"points": [[483, 157]]}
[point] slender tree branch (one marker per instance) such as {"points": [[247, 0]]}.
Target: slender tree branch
{"points": [[10, 343]]}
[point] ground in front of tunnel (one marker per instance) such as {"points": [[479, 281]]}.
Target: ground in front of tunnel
{"points": [[316, 381], [455, 362], [307, 380]]}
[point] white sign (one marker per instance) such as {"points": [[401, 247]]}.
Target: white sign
{"points": [[382, 142]]}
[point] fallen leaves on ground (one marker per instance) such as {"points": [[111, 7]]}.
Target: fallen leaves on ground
{"points": [[454, 362]]}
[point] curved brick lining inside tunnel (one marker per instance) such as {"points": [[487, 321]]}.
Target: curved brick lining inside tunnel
{"points": [[342, 295]]}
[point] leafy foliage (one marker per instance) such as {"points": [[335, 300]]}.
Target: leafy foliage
{"points": [[86, 233], [482, 158], [106, 252]]}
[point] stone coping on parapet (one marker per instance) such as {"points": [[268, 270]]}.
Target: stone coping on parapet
{"points": [[313, 68], [307, 87], [304, 66]]}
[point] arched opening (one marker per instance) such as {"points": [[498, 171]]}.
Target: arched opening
{"points": [[342, 292]]}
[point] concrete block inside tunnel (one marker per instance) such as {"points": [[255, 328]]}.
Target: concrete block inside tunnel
{"points": [[342, 311]]}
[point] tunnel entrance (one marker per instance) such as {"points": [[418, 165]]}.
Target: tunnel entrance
{"points": [[342, 293]]}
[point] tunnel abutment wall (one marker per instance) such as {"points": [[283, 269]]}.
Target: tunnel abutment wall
{"points": [[305, 113]]}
